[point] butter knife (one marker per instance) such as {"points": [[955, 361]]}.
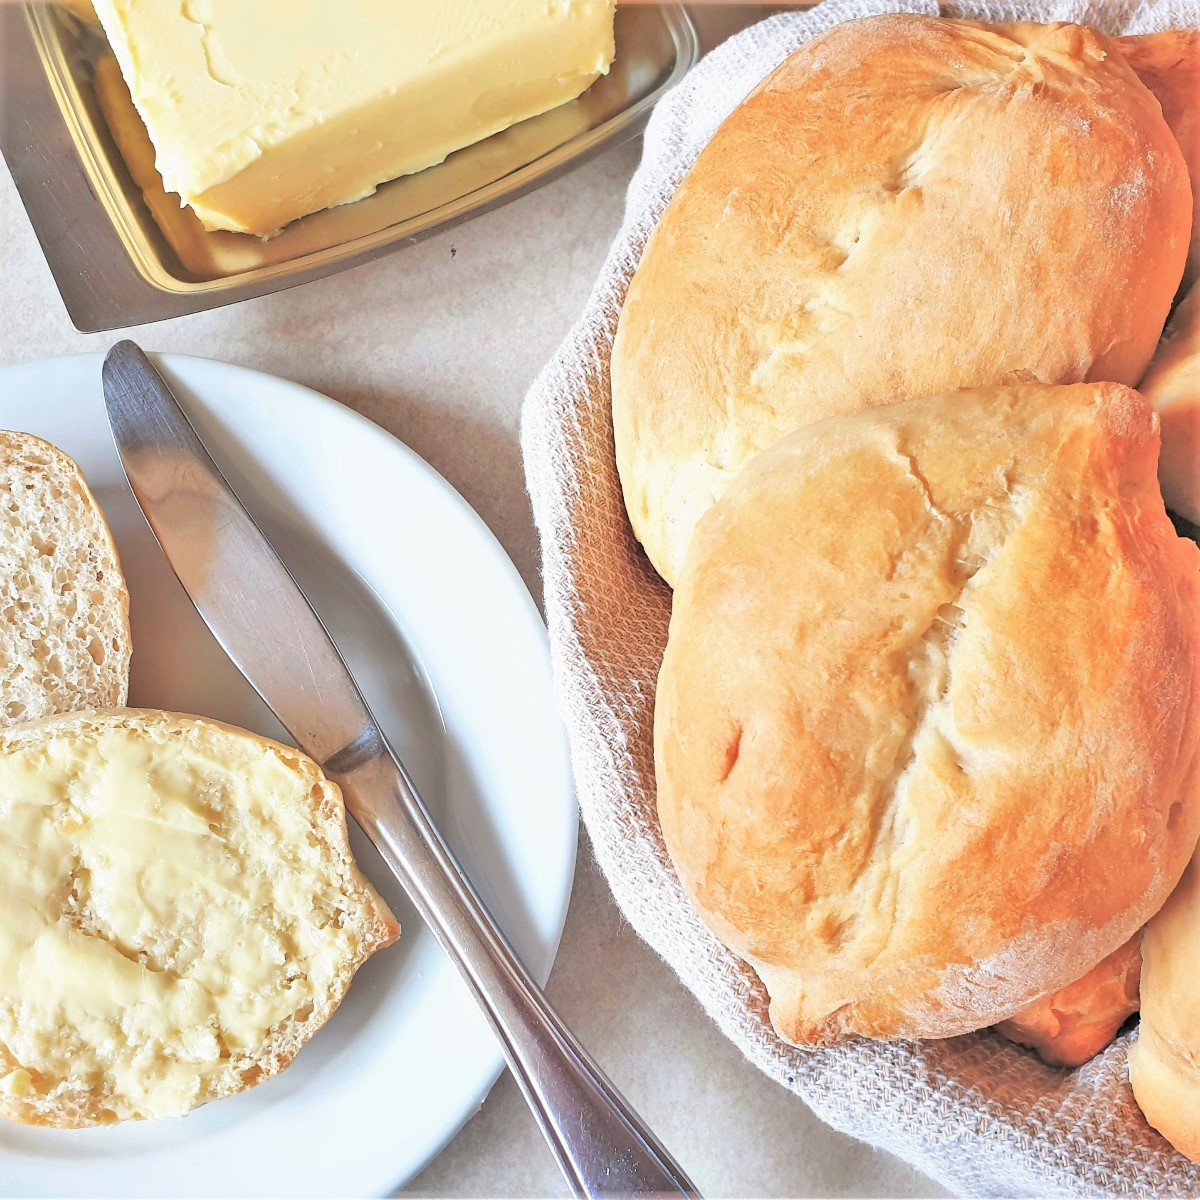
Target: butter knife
{"points": [[264, 622]]}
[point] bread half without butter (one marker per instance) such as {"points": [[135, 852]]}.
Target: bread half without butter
{"points": [[64, 607], [181, 914]]}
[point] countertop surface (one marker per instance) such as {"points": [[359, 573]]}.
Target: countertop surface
{"points": [[438, 344]]}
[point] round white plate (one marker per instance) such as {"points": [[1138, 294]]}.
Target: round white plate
{"points": [[451, 654]]}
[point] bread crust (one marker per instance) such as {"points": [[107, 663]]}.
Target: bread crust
{"points": [[1168, 63], [1072, 1025], [927, 731], [1164, 1062], [64, 640], [73, 1103], [907, 205], [1172, 385]]}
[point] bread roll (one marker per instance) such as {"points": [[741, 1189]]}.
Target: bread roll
{"points": [[1172, 385], [64, 607], [926, 732], [181, 914], [1168, 64], [1074, 1024], [1164, 1062], [907, 205]]}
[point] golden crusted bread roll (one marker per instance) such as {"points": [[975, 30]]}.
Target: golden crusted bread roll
{"points": [[1172, 385], [181, 914], [926, 734], [1074, 1024], [1164, 1062], [1168, 63], [64, 607], [907, 205]]}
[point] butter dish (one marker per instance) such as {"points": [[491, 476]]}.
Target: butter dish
{"points": [[263, 113], [123, 252]]}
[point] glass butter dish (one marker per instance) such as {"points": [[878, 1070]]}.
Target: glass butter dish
{"points": [[123, 252]]}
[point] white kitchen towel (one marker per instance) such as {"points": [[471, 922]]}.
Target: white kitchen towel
{"points": [[975, 1112]]}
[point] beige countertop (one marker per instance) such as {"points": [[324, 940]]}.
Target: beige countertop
{"points": [[438, 344]]}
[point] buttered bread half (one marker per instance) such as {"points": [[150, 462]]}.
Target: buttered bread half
{"points": [[907, 205], [927, 740], [64, 607], [181, 914]]}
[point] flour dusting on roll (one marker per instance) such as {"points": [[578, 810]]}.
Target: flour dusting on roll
{"points": [[1168, 63]]}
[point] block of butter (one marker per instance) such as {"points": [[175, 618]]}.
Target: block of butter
{"points": [[261, 111]]}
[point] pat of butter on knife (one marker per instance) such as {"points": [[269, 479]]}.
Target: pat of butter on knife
{"points": [[262, 111]]}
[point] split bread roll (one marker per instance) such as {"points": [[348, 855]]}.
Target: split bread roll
{"points": [[1172, 385], [926, 734], [1072, 1025], [64, 607], [1168, 63], [908, 204], [181, 914], [1164, 1062]]}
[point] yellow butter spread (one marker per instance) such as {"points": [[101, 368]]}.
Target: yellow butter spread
{"points": [[166, 902], [261, 111]]}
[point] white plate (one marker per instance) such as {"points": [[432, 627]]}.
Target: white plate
{"points": [[451, 654]]}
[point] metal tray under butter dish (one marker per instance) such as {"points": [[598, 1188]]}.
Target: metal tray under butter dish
{"points": [[123, 252]]}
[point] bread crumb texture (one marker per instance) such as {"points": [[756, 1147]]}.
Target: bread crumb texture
{"points": [[182, 913], [906, 205], [927, 723], [64, 631]]}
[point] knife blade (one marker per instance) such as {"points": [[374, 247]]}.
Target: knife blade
{"points": [[264, 622]]}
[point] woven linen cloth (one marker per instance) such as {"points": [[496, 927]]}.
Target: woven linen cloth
{"points": [[976, 1113]]}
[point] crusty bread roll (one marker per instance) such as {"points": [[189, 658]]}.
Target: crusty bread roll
{"points": [[181, 914], [1172, 385], [1164, 1062], [907, 205], [1074, 1024], [926, 732], [1168, 63], [64, 608]]}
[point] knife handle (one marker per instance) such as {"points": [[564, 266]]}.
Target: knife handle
{"points": [[599, 1142]]}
